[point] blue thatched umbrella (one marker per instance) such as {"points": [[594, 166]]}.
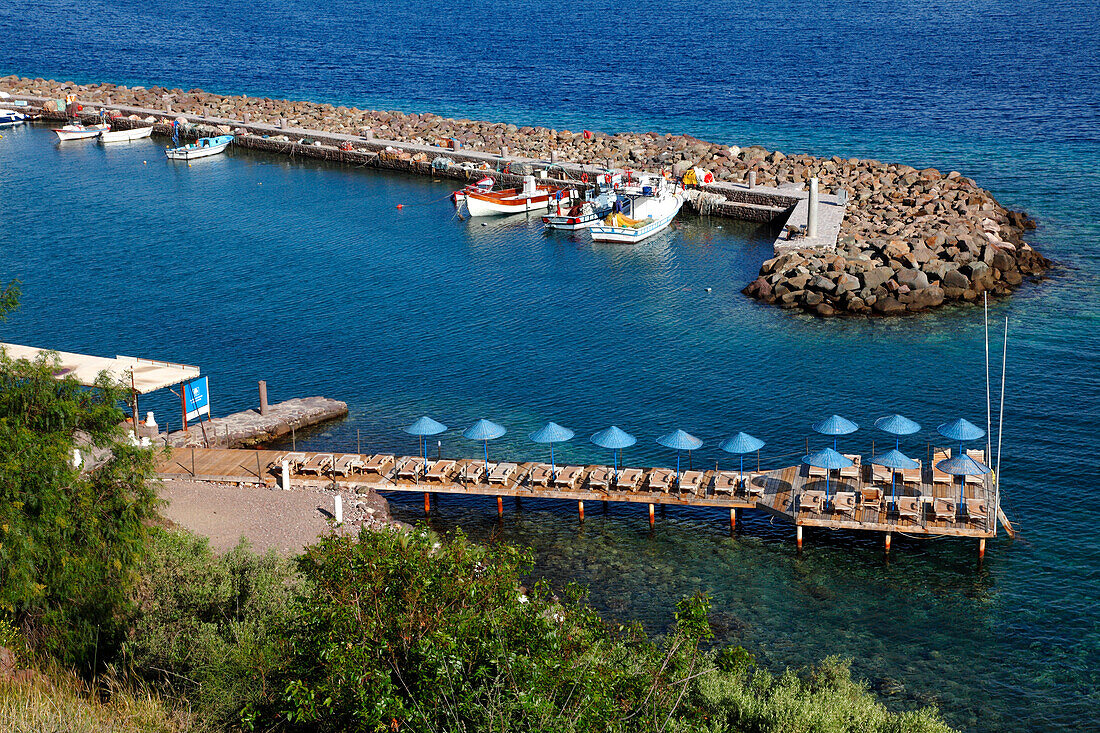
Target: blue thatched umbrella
{"points": [[963, 466], [835, 425], [552, 433], [828, 459], [678, 440], [616, 439], [423, 427], [741, 444], [894, 459], [484, 430], [897, 425]]}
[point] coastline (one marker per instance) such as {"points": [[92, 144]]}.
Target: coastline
{"points": [[909, 241]]}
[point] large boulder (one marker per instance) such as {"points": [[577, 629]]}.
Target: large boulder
{"points": [[888, 306], [1003, 261], [915, 279], [929, 297], [877, 277], [955, 279]]}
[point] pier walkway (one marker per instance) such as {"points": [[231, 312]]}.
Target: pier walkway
{"points": [[926, 507]]}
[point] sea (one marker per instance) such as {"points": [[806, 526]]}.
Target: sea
{"points": [[309, 276]]}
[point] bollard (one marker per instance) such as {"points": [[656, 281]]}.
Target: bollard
{"points": [[504, 151], [339, 509], [369, 134], [282, 123], [811, 213], [246, 117], [286, 475], [752, 179], [553, 156], [263, 397]]}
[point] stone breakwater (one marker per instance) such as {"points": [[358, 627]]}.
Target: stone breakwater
{"points": [[910, 240]]}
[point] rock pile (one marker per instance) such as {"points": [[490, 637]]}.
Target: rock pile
{"points": [[912, 239]]}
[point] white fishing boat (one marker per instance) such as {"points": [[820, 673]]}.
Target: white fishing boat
{"points": [[77, 131], [515, 201], [581, 214], [201, 148], [125, 136], [646, 209], [10, 118], [483, 185]]}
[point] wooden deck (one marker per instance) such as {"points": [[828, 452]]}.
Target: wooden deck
{"points": [[779, 492]]}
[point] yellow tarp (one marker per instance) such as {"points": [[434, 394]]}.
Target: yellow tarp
{"points": [[618, 219], [689, 178]]}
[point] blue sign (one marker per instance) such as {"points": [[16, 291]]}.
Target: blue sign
{"points": [[196, 394]]}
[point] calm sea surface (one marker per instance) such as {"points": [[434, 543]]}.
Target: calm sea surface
{"points": [[308, 276]]}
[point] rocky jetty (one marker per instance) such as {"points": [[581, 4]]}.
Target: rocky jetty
{"points": [[911, 239]]}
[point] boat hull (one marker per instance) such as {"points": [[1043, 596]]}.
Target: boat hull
{"points": [[486, 205], [8, 118], [632, 235], [125, 136], [65, 134], [195, 153]]}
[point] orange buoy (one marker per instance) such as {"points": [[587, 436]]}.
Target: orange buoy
{"points": [[401, 206]]}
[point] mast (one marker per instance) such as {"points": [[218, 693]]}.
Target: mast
{"points": [[988, 408], [1001, 418]]}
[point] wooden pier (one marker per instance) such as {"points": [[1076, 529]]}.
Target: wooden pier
{"points": [[860, 502]]}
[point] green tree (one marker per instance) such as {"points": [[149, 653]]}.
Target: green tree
{"points": [[69, 536], [9, 299]]}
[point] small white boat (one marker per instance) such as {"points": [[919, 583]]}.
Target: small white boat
{"points": [[582, 214], [483, 185], [125, 136], [10, 118], [201, 148], [77, 131], [647, 208], [513, 201]]}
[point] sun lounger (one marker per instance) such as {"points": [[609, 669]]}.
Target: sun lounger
{"points": [[844, 502], [629, 479], [870, 498], [660, 479], [502, 472], [978, 454], [318, 465], [441, 471], [690, 481], [540, 475], [880, 474], [295, 460], [943, 509], [976, 511], [811, 501], [754, 483], [816, 472], [410, 467], [568, 477], [380, 463], [726, 482], [600, 478], [472, 472], [912, 475], [940, 477], [348, 464], [910, 506], [854, 470]]}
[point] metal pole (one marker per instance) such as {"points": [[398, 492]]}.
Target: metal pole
{"points": [[1000, 426], [811, 214], [988, 404], [183, 405], [293, 439], [358, 442]]}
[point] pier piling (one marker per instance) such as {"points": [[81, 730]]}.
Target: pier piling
{"points": [[733, 519], [798, 535], [500, 506], [580, 509], [887, 542], [427, 503], [263, 397], [651, 520], [981, 548]]}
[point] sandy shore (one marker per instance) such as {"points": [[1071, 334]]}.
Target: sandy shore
{"points": [[271, 519]]}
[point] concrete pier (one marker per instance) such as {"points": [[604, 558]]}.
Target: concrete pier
{"points": [[252, 428]]}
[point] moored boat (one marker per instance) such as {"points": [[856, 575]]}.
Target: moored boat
{"points": [[515, 201], [485, 184], [582, 214], [9, 117], [646, 209], [125, 136], [78, 131], [201, 148]]}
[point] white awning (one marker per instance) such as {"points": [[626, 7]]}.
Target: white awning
{"points": [[143, 375]]}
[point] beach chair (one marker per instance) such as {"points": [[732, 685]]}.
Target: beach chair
{"points": [[812, 501], [601, 477], [939, 477], [910, 507], [660, 479], [502, 472], [629, 479], [295, 459], [726, 482], [568, 477], [752, 486], [690, 482], [318, 465], [410, 467], [541, 474], [844, 502], [381, 464], [348, 464], [441, 471], [472, 472], [855, 470], [912, 475], [870, 497], [881, 474], [976, 511], [943, 509], [817, 472]]}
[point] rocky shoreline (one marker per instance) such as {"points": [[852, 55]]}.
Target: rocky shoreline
{"points": [[910, 240]]}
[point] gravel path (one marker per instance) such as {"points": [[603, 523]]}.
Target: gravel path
{"points": [[271, 519]]}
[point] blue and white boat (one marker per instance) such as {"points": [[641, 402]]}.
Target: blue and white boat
{"points": [[10, 118], [582, 214], [201, 148], [645, 209]]}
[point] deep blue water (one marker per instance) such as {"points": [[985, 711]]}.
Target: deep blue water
{"points": [[307, 275]]}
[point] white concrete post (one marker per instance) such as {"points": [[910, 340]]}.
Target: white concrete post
{"points": [[339, 509], [752, 179], [811, 214], [286, 475], [78, 460]]}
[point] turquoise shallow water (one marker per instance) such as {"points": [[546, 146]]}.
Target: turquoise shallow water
{"points": [[309, 277]]}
